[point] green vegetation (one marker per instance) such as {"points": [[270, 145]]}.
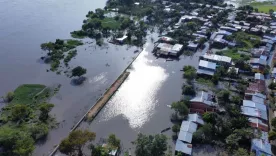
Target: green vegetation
{"points": [[181, 110], [57, 50], [264, 7], [74, 143], [206, 82], [234, 54], [111, 23], [189, 72], [25, 119], [188, 90], [150, 145]]}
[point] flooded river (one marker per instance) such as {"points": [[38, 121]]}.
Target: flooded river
{"points": [[140, 105]]}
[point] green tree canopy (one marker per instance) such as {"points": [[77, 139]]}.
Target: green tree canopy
{"points": [[45, 108], [113, 141], [75, 142], [20, 112], [78, 71], [150, 145], [181, 107]]}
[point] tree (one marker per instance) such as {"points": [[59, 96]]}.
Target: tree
{"points": [[189, 72], [176, 128], [272, 135], [273, 122], [113, 141], [24, 146], [38, 131], [99, 151], [20, 112], [150, 145], [9, 97], [45, 108], [78, 71], [241, 152], [75, 142], [188, 90], [223, 96], [180, 107]]}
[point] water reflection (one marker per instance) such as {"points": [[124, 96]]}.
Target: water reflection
{"points": [[136, 99]]}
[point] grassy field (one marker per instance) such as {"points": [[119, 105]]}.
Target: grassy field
{"points": [[264, 6], [28, 93], [110, 23]]}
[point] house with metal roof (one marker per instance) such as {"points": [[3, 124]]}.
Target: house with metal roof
{"points": [[257, 123], [168, 49], [258, 86], [254, 112], [259, 76], [273, 73], [203, 102], [206, 68], [183, 147], [229, 29], [192, 46], [196, 118], [261, 147], [222, 60], [252, 104], [186, 131]]}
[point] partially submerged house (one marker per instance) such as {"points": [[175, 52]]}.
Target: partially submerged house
{"points": [[203, 102], [186, 131], [206, 68], [261, 147], [218, 59], [183, 147], [168, 49]]}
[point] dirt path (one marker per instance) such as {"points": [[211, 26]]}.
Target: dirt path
{"points": [[107, 95]]}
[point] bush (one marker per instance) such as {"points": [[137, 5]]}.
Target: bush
{"points": [[188, 90], [9, 97], [176, 128], [189, 72]]}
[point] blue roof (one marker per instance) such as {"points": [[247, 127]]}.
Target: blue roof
{"points": [[261, 147], [180, 146], [248, 103]]}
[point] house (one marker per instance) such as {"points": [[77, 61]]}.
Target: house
{"points": [[254, 112], [196, 118], [252, 104], [273, 73], [259, 124], [166, 39], [261, 147], [256, 97], [168, 49], [224, 32], [184, 148], [186, 131], [218, 59], [257, 64], [256, 87], [206, 68], [192, 46], [199, 35], [203, 102], [229, 29], [259, 76]]}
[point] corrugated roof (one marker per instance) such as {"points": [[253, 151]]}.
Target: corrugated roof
{"points": [[195, 118], [177, 47], [218, 58], [257, 95], [183, 147], [274, 71], [261, 147], [257, 121], [206, 72], [248, 103], [205, 98], [254, 112], [224, 32], [185, 136], [258, 61], [259, 76], [207, 64], [188, 126]]}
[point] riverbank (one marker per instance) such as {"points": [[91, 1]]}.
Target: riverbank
{"points": [[107, 95]]}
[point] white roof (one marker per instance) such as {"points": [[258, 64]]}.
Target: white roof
{"points": [[274, 71], [195, 118], [259, 76], [177, 47], [204, 97], [183, 147], [206, 72], [207, 64], [248, 103], [122, 38], [188, 126], [254, 112], [165, 46], [185, 136], [218, 58]]}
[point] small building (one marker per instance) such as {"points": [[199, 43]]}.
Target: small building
{"points": [[169, 49], [192, 46], [256, 87], [229, 29], [165, 39], [254, 112], [202, 103], [183, 147], [273, 73], [257, 64], [199, 35], [224, 32], [186, 131], [256, 97], [218, 59], [206, 68], [261, 147], [259, 76], [196, 118], [259, 124], [252, 104]]}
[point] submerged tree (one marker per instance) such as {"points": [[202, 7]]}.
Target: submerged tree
{"points": [[75, 142], [45, 108]]}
